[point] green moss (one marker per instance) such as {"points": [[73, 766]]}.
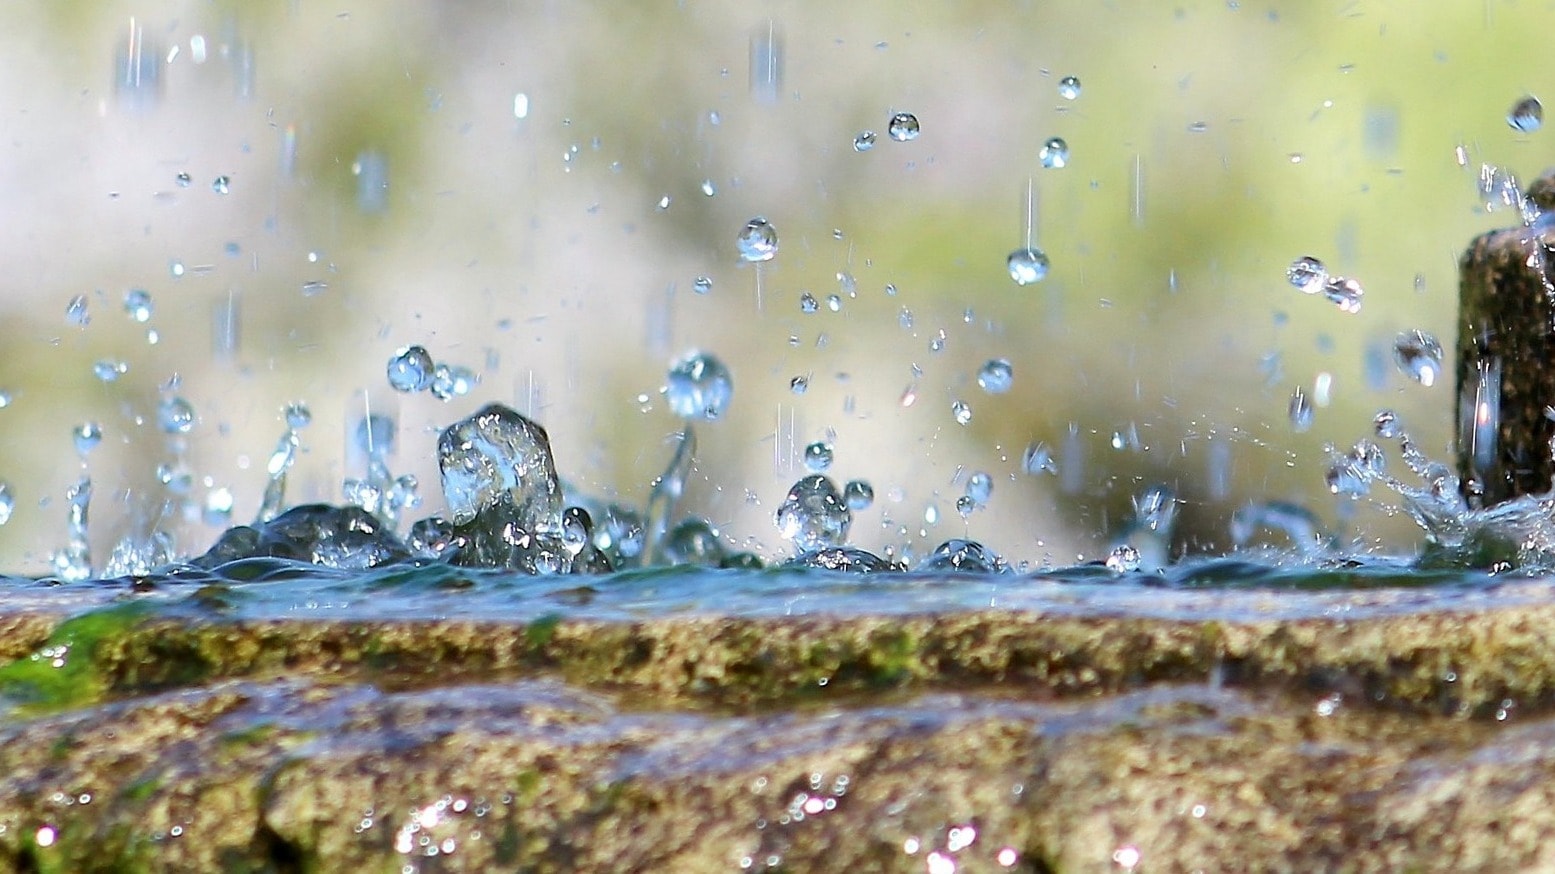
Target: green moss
{"points": [[39, 685], [539, 632]]}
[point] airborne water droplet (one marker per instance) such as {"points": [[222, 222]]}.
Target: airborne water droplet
{"points": [[1054, 153], [1069, 87], [758, 240], [137, 303], [1027, 266], [818, 457], [962, 412], [109, 369], [76, 312], [87, 436], [1345, 293], [699, 387], [1419, 356], [175, 416], [813, 514], [1308, 274], [702, 285], [903, 127], [807, 303], [1300, 411], [1526, 115], [410, 370], [222, 185], [864, 141], [979, 488], [7, 503], [996, 376], [858, 494], [799, 384]]}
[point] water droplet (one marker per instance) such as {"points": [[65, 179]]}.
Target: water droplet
{"points": [[799, 385], [818, 457], [702, 285], [904, 319], [7, 503], [699, 387], [708, 188], [1123, 559], [76, 312], [693, 541], [1069, 88], [834, 303], [758, 241], [410, 370], [957, 555], [1300, 411], [1054, 154], [184, 180], [497, 464], [979, 487], [1345, 293], [962, 412], [109, 369], [87, 435], [1419, 356], [1307, 274], [903, 127], [864, 141], [5, 398], [807, 303], [1155, 508], [858, 494], [137, 303], [847, 284], [1027, 266], [452, 381], [1038, 459], [813, 514], [577, 529], [996, 376], [175, 416], [222, 185], [297, 415], [1385, 424], [1526, 115]]}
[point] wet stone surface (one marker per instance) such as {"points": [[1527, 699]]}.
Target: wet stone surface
{"points": [[707, 720]]}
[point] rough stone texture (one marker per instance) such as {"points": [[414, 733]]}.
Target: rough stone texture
{"points": [[1396, 737], [1506, 322]]}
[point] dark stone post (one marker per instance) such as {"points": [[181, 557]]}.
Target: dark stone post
{"points": [[1506, 358]]}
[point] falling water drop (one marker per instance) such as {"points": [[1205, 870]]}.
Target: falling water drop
{"points": [[962, 412], [1526, 115], [858, 494], [76, 312], [137, 303], [175, 415], [903, 127], [452, 381], [979, 488], [1069, 88], [996, 377], [758, 241], [699, 387], [1307, 274], [87, 436], [1300, 411], [1027, 266], [702, 285], [1345, 293], [7, 503], [799, 384], [1419, 356], [813, 515], [109, 369], [1054, 154], [864, 141], [410, 370], [808, 304], [222, 185], [818, 457]]}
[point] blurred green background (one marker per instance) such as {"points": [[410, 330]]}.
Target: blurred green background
{"points": [[487, 178]]}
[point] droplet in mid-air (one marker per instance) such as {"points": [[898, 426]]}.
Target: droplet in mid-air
{"points": [[858, 494], [76, 312], [758, 241], [864, 141], [1419, 356], [452, 381], [137, 303], [1307, 274], [903, 127], [1526, 115], [699, 387], [1054, 153], [996, 376], [410, 370], [979, 488], [818, 457], [702, 285], [7, 503], [222, 185], [1069, 88], [109, 369], [813, 514], [1027, 266], [1344, 293], [808, 304], [175, 415], [962, 412], [1300, 411], [799, 384], [87, 435]]}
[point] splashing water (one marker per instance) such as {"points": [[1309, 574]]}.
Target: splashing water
{"points": [[1027, 266], [757, 241], [699, 387], [903, 127]]}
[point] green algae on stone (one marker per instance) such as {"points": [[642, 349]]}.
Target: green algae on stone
{"points": [[66, 670]]}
